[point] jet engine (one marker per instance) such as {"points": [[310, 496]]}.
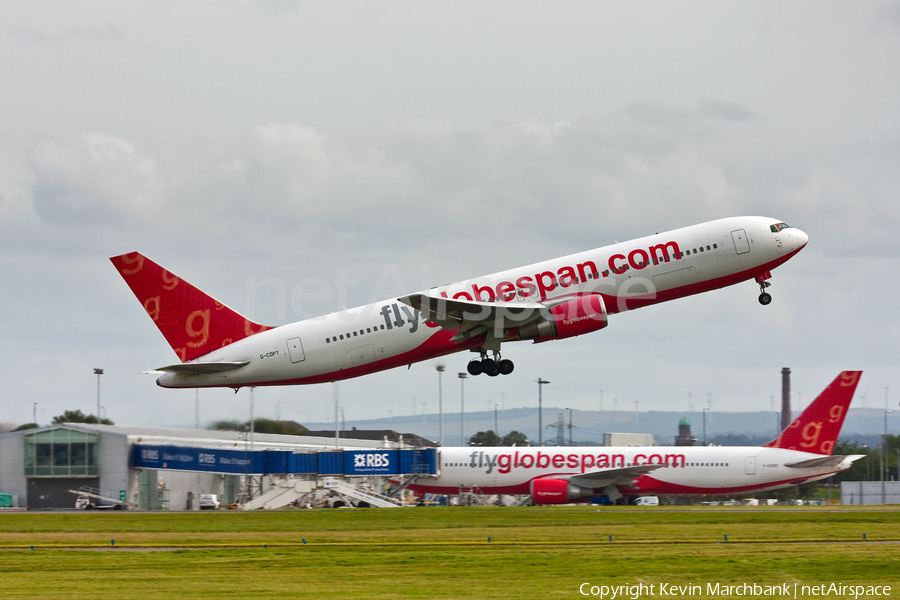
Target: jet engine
{"points": [[557, 491], [575, 316]]}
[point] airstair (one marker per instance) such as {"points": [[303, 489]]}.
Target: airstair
{"points": [[283, 493], [396, 491], [371, 498], [290, 489]]}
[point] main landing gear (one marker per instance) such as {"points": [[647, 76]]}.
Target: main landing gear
{"points": [[490, 366], [765, 298]]}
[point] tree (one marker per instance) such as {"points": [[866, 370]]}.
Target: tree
{"points": [[485, 438], [76, 416], [514, 438], [233, 425], [261, 426], [25, 426]]}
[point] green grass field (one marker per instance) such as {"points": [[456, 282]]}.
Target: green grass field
{"points": [[440, 552]]}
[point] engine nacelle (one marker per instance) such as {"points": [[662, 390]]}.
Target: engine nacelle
{"points": [[557, 491], [575, 316]]}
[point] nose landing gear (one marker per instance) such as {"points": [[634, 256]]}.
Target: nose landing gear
{"points": [[765, 298]]}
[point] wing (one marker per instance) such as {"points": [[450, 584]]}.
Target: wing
{"points": [[470, 319], [199, 368], [607, 477]]}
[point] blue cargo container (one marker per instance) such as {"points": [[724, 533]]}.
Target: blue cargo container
{"points": [[331, 462], [422, 461], [275, 462], [303, 463]]}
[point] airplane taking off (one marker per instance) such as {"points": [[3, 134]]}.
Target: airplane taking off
{"points": [[551, 300], [802, 453]]}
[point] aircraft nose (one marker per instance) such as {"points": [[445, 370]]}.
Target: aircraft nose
{"points": [[800, 238]]}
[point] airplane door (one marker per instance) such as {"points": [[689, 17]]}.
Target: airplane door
{"points": [[750, 465], [295, 350], [741, 244]]}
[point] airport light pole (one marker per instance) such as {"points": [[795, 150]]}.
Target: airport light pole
{"points": [[98, 373], [462, 410], [34, 413], [540, 383], [705, 410], [496, 425], [440, 372]]}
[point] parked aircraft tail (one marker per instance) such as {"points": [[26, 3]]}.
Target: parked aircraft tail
{"points": [[192, 322], [816, 430]]}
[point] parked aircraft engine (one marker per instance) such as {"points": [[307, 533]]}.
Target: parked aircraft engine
{"points": [[557, 491], [575, 316]]}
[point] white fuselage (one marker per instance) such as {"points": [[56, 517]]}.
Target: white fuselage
{"points": [[388, 334], [685, 470]]}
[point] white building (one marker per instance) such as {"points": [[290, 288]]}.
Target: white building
{"points": [[150, 467]]}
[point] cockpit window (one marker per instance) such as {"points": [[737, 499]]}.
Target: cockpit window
{"points": [[778, 227]]}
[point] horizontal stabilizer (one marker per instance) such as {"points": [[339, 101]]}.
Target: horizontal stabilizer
{"points": [[824, 462], [207, 368]]}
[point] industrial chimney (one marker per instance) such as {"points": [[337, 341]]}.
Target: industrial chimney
{"points": [[785, 398]]}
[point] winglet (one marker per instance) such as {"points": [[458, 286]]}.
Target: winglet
{"points": [[192, 322], [816, 430]]}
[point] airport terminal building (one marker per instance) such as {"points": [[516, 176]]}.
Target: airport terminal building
{"points": [[155, 468]]}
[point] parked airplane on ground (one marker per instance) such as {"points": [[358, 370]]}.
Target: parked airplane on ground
{"points": [[560, 475], [551, 300]]}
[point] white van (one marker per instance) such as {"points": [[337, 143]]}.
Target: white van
{"points": [[647, 501], [208, 501]]}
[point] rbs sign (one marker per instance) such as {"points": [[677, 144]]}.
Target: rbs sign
{"points": [[371, 462]]}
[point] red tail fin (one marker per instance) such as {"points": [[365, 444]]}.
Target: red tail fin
{"points": [[816, 430], [193, 323]]}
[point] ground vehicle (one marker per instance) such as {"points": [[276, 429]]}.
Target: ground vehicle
{"points": [[208, 501], [647, 501]]}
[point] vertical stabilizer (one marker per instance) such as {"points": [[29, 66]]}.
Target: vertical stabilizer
{"points": [[816, 430], [192, 322]]}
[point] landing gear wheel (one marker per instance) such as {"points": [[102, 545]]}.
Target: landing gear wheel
{"points": [[765, 298], [490, 367], [474, 368], [506, 366]]}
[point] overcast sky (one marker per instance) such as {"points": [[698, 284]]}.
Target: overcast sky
{"points": [[398, 145]]}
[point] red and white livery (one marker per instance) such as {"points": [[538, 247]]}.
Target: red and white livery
{"points": [[561, 475], [551, 300]]}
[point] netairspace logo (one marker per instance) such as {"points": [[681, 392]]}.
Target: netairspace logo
{"points": [[784, 590]]}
